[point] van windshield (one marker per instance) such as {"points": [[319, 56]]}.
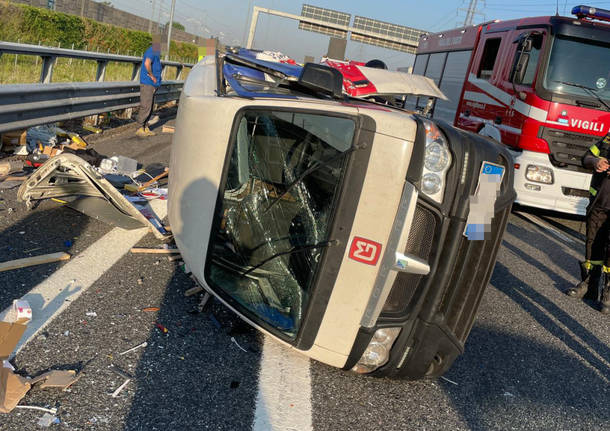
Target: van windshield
{"points": [[272, 224], [584, 63]]}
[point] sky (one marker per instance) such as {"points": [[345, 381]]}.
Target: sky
{"points": [[230, 19]]}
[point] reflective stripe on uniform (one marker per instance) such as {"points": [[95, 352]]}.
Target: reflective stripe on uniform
{"points": [[594, 150], [592, 191]]}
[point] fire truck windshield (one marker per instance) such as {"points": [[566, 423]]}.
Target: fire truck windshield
{"points": [[583, 63]]}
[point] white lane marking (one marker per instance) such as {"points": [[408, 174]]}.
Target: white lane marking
{"points": [[546, 226], [284, 390], [52, 296]]}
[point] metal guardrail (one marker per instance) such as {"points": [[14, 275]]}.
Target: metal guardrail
{"points": [[49, 55], [26, 105]]}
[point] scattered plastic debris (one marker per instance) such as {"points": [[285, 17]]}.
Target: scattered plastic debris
{"points": [[161, 328], [120, 388], [42, 409], [47, 420], [449, 381], [144, 344], [233, 340], [150, 309], [91, 313]]}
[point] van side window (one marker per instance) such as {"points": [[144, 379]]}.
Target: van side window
{"points": [[490, 53]]}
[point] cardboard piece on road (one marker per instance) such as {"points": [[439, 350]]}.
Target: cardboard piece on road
{"points": [[12, 386], [56, 379], [13, 326]]}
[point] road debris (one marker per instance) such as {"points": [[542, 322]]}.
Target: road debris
{"points": [[13, 387], [92, 129], [204, 300], [150, 309], [449, 381], [47, 420], [136, 188], [91, 313], [168, 129], [140, 281], [120, 388], [42, 409], [144, 344], [234, 341], [32, 261], [137, 250], [161, 328], [193, 291]]}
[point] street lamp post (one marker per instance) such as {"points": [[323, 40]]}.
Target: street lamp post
{"points": [[169, 32]]}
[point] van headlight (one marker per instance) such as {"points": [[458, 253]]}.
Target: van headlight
{"points": [[437, 160], [377, 352]]}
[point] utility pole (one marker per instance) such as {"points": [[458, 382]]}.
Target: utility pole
{"points": [[152, 16], [169, 32], [470, 13], [247, 19]]}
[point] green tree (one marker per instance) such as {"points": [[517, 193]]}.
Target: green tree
{"points": [[176, 25]]}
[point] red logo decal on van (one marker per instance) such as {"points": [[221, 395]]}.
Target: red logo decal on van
{"points": [[365, 251]]}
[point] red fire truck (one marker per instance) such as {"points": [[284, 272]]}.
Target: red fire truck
{"points": [[538, 85]]}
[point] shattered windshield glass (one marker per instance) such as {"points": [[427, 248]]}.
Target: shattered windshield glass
{"points": [[273, 223]]}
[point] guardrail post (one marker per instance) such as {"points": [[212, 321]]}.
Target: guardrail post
{"points": [[101, 70], [135, 73], [46, 73], [179, 72]]}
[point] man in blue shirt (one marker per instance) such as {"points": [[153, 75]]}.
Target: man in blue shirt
{"points": [[150, 80]]}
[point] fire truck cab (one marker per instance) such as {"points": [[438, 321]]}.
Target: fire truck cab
{"points": [[538, 85]]}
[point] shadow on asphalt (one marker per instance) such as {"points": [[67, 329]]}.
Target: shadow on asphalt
{"points": [[504, 377], [545, 312], [196, 376], [554, 252], [37, 233]]}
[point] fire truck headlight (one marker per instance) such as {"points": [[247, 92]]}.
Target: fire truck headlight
{"points": [[437, 160], [539, 174], [377, 352]]}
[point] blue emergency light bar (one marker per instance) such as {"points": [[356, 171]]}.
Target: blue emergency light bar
{"points": [[591, 13]]}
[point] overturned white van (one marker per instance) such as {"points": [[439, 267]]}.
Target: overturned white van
{"points": [[339, 226]]}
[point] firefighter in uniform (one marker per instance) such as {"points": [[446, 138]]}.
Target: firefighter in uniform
{"points": [[597, 252]]}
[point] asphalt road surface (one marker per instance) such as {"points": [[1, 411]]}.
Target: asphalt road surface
{"points": [[535, 360]]}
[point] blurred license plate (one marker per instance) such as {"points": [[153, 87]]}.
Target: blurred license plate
{"points": [[483, 201]]}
